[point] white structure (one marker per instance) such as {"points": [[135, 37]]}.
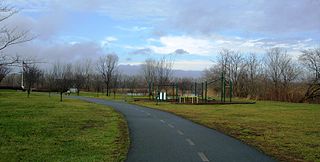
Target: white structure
{"points": [[162, 96], [73, 90]]}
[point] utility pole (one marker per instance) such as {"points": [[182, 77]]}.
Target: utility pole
{"points": [[24, 66]]}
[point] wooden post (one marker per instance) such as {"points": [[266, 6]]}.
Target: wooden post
{"points": [[195, 88], [222, 78], [202, 91], [206, 91]]}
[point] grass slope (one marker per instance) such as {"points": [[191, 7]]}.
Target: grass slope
{"points": [[287, 131], [40, 128]]}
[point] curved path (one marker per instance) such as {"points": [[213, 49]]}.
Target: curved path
{"points": [[158, 136]]}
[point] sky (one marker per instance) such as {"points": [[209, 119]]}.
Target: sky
{"points": [[190, 32]]}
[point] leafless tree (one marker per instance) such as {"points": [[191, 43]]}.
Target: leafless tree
{"points": [[31, 76], [237, 68], [149, 68], [116, 83], [164, 71], [252, 70], [224, 61], [233, 65], [8, 37], [97, 83], [107, 66], [311, 60], [78, 77], [274, 58], [222, 65], [4, 71], [290, 72], [50, 81], [132, 84], [63, 77], [88, 72], [5, 63], [281, 70]]}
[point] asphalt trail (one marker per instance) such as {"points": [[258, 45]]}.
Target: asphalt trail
{"points": [[158, 136]]}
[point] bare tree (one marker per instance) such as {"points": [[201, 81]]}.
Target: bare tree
{"points": [[31, 76], [78, 77], [8, 37], [311, 60], [88, 72], [97, 83], [252, 71], [164, 71], [233, 65], [5, 63], [63, 77], [107, 66], [149, 72], [4, 71], [281, 70], [236, 69], [50, 81], [224, 61], [274, 57], [132, 84], [222, 65], [116, 83]]}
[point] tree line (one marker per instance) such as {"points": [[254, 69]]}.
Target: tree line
{"points": [[274, 76]]}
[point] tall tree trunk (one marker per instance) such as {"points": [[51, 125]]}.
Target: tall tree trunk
{"points": [[28, 92], [108, 88]]}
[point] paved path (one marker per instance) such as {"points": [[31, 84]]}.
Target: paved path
{"points": [[158, 136]]}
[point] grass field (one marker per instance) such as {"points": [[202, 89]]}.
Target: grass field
{"points": [[40, 128], [287, 131]]}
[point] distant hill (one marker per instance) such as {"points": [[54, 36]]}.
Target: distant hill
{"points": [[136, 69]]}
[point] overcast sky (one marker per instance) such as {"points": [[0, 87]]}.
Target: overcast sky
{"points": [[189, 31]]}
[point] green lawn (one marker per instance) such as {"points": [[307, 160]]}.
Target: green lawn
{"points": [[287, 131], [40, 128]]}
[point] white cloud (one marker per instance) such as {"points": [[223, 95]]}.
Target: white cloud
{"points": [[196, 65], [130, 63], [106, 41], [192, 64], [169, 44], [210, 45], [133, 29], [111, 39]]}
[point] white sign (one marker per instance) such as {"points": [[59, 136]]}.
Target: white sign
{"points": [[163, 96]]}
